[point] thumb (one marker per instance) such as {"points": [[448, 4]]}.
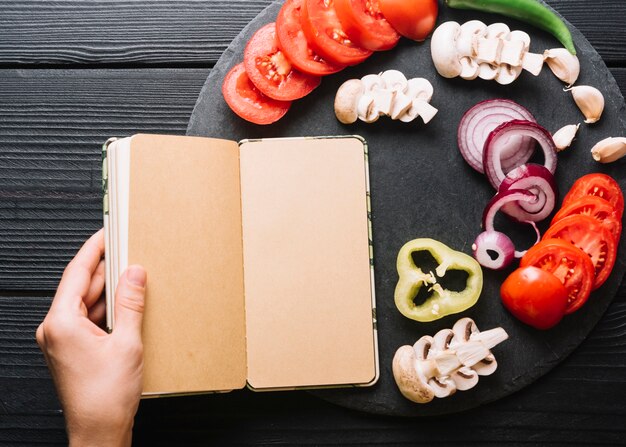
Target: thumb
{"points": [[129, 300]]}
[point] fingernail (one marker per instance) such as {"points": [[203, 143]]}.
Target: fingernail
{"points": [[136, 275]]}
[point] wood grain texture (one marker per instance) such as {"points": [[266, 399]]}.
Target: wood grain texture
{"points": [[52, 125], [195, 31]]}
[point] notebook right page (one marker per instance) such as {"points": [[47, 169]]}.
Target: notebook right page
{"points": [[307, 272]]}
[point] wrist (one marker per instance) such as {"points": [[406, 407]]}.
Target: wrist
{"points": [[119, 435]]}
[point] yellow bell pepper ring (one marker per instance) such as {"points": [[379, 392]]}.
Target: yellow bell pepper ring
{"points": [[442, 301]]}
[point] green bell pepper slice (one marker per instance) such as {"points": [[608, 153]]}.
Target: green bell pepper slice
{"points": [[442, 302]]}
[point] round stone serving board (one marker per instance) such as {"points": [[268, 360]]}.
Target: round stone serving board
{"points": [[422, 187]]}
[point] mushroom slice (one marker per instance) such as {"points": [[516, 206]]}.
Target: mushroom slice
{"points": [[419, 88], [498, 30], [372, 82], [512, 52], [394, 80], [488, 72], [532, 63], [466, 43], [347, 99], [443, 49], [401, 104], [383, 100], [486, 366], [442, 386], [507, 74], [423, 109], [465, 378], [410, 382], [366, 110], [469, 70], [489, 50]]}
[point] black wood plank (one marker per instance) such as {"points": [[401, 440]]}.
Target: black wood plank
{"points": [[52, 124], [195, 32], [578, 403]]}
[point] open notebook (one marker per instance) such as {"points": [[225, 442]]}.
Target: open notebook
{"points": [[258, 256]]}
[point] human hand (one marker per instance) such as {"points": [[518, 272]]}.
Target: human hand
{"points": [[98, 376]]}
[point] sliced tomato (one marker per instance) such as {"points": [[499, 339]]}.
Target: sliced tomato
{"points": [[364, 24], [595, 207], [326, 36], [414, 19], [271, 72], [569, 264], [293, 43], [600, 185], [590, 236], [247, 101]]}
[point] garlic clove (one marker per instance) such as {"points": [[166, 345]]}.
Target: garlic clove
{"points": [[590, 102], [609, 149], [394, 80], [564, 136], [563, 64]]}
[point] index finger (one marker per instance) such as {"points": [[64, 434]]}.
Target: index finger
{"points": [[77, 275]]}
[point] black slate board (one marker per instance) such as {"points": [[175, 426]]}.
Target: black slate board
{"points": [[421, 187]]}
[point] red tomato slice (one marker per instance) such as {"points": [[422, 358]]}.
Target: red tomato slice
{"points": [[534, 296], [365, 25], [293, 43], [325, 35], [414, 19], [590, 236], [600, 185], [595, 207], [569, 264], [247, 101], [270, 70]]}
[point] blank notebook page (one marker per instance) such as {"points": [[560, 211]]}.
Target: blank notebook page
{"points": [[306, 263]]}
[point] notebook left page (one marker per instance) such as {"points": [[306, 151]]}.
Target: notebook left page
{"points": [[184, 227]]}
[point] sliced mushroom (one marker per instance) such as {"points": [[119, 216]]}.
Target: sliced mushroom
{"points": [[469, 70], [507, 74], [419, 88], [394, 80], [443, 49], [372, 82], [383, 100], [488, 72], [410, 382], [512, 52], [401, 104], [366, 109], [489, 50], [467, 41], [347, 100]]}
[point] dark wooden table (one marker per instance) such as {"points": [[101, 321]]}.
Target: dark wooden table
{"points": [[75, 72]]}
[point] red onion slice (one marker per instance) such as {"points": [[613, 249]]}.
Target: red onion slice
{"points": [[478, 122], [503, 198], [493, 250], [493, 150], [540, 182]]}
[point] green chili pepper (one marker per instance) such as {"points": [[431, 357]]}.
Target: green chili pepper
{"points": [[442, 302], [529, 11]]}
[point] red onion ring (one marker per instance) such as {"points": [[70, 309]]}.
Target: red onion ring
{"points": [[540, 182], [493, 150], [503, 198], [493, 249], [478, 122]]}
